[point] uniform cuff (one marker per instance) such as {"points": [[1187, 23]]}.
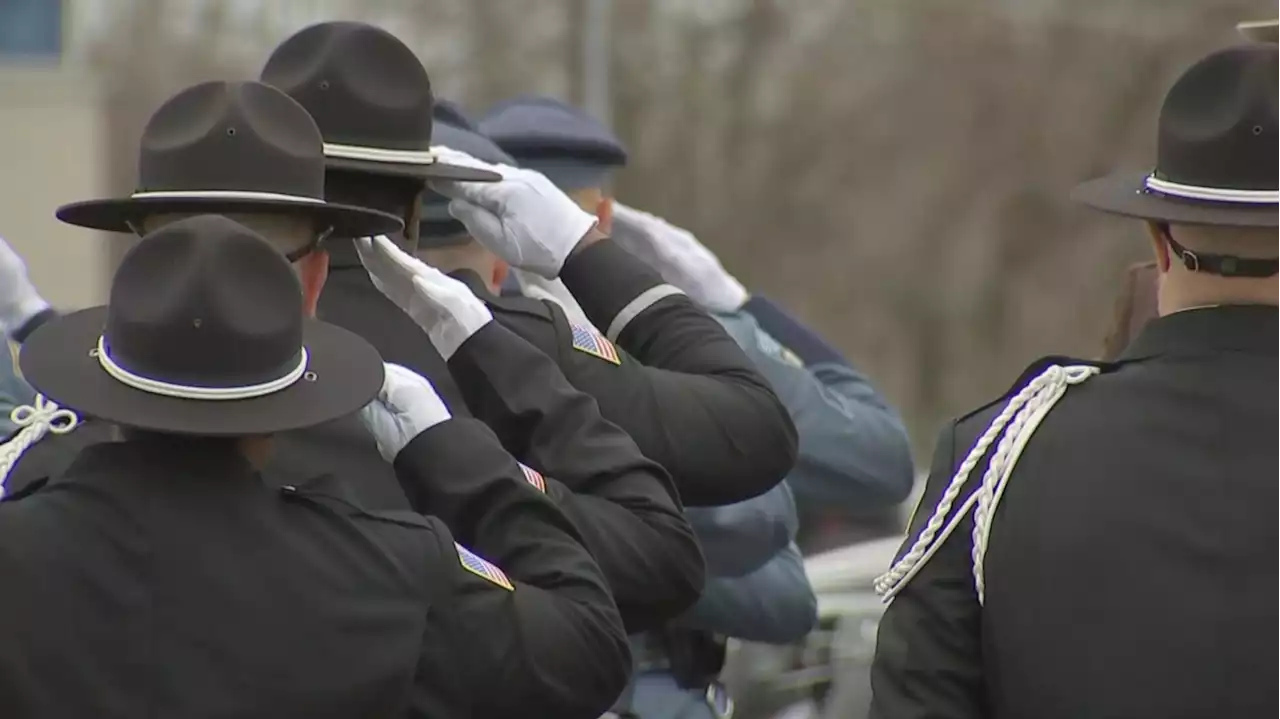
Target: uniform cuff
{"points": [[612, 286], [804, 342], [24, 330]]}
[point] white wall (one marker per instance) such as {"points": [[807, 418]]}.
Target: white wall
{"points": [[52, 152]]}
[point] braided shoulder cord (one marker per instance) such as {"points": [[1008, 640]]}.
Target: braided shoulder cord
{"points": [[35, 421], [1021, 416]]}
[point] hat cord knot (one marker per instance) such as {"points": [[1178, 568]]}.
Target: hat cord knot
{"points": [[35, 420], [1014, 427]]}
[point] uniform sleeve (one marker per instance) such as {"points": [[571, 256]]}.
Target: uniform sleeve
{"points": [[928, 660], [739, 538], [683, 389], [520, 621], [854, 448], [623, 504], [13, 391], [774, 604]]}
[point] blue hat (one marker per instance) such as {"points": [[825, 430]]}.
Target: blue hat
{"points": [[454, 130], [570, 147]]}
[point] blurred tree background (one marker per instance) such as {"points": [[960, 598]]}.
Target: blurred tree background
{"points": [[895, 172]]}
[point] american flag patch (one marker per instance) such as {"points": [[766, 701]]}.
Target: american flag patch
{"points": [[534, 477], [473, 563], [586, 339]]}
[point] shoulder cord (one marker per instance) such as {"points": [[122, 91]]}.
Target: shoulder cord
{"points": [[35, 420], [1022, 415]]}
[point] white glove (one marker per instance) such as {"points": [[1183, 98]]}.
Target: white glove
{"points": [[678, 256], [541, 288], [523, 218], [406, 407], [19, 300], [439, 304]]}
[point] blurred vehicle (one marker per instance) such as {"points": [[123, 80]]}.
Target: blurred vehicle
{"points": [[826, 676]]}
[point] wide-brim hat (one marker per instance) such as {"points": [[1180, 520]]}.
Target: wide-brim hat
{"points": [[1216, 150], [370, 96], [203, 335], [230, 148]]}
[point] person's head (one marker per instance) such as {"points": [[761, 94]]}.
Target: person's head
{"points": [[1180, 254], [572, 148], [1210, 205], [371, 98], [203, 310], [1135, 306], [293, 237], [242, 149]]}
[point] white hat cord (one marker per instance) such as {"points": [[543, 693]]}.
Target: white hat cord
{"points": [[1021, 416], [37, 419]]}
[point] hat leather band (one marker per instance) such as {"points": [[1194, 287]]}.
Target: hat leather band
{"points": [[178, 391], [379, 154], [1223, 265], [1212, 194]]}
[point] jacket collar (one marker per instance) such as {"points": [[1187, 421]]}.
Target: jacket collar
{"points": [[1249, 329], [172, 459]]}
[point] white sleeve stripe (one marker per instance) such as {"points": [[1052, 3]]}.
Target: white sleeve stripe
{"points": [[632, 310]]}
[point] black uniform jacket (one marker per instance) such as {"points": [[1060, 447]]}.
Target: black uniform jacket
{"points": [[162, 577], [1131, 568], [679, 384], [624, 505]]}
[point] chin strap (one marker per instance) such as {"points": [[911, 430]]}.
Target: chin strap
{"points": [[34, 421], [1014, 427]]}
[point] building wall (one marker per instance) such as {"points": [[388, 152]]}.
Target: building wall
{"points": [[52, 152]]}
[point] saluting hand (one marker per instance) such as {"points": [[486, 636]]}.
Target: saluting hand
{"points": [[439, 304], [406, 406], [678, 256], [19, 300], [523, 218]]}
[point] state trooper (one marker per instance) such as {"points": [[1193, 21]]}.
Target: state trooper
{"points": [[160, 575], [678, 665], [1131, 563], [674, 380], [635, 530], [245, 150], [854, 464], [756, 583]]}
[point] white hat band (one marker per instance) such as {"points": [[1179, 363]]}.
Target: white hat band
{"points": [[379, 154], [169, 389], [1212, 194]]}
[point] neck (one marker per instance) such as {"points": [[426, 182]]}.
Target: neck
{"points": [[1181, 291]]}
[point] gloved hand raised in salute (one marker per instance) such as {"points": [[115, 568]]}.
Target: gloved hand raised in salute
{"points": [[444, 307], [524, 219], [679, 257]]}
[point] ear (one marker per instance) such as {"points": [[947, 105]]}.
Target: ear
{"points": [[1159, 245], [313, 270], [604, 214], [500, 271]]}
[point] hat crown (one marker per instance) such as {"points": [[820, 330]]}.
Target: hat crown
{"points": [[232, 136], [1217, 127], [205, 302], [535, 126], [363, 86]]}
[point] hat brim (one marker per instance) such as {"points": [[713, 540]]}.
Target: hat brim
{"points": [[1260, 30], [426, 171], [1126, 194], [118, 214], [343, 374]]}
